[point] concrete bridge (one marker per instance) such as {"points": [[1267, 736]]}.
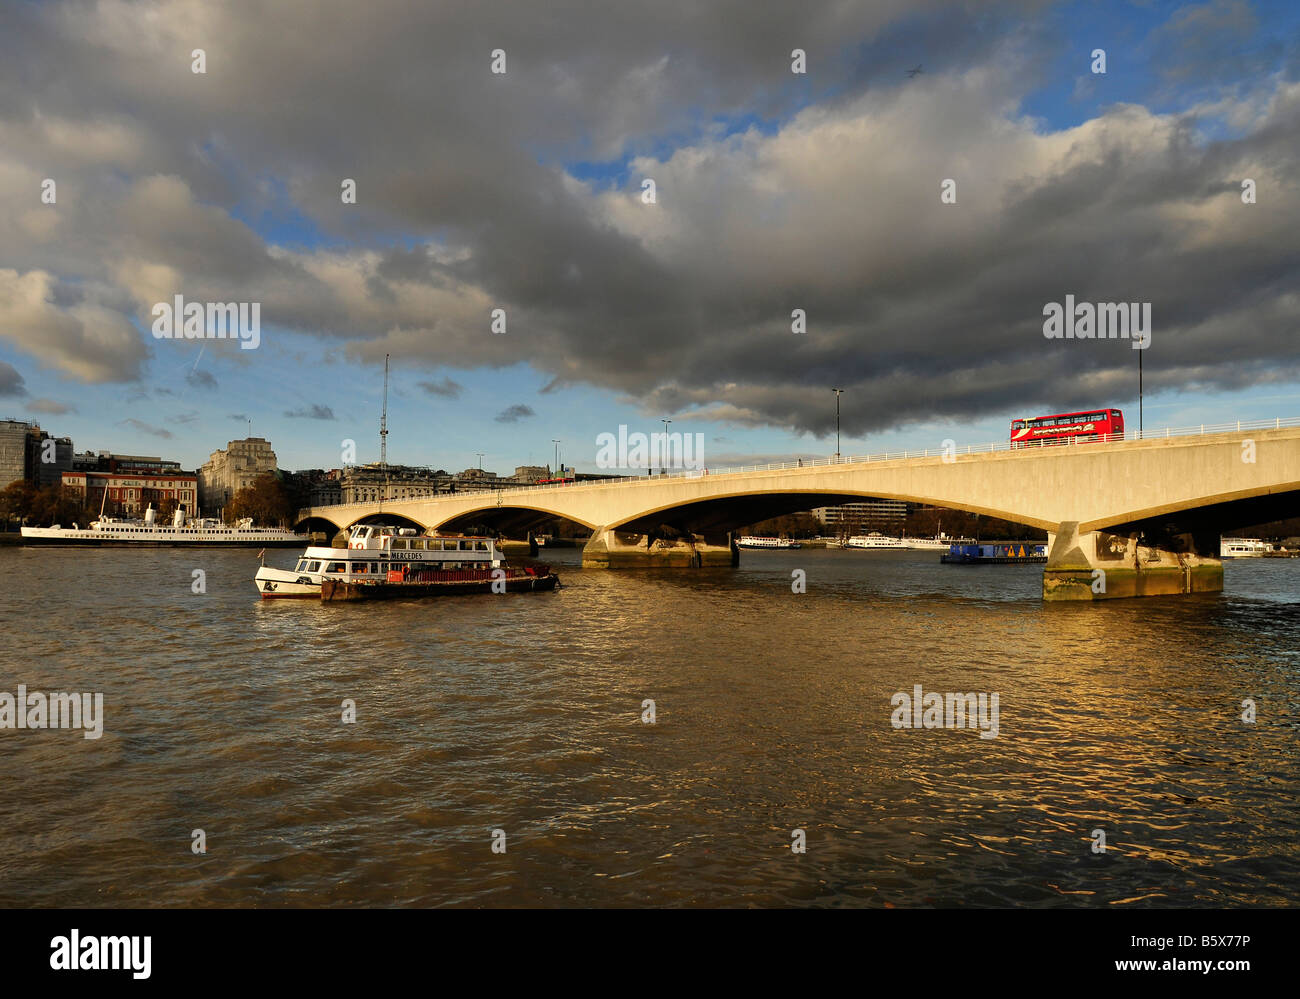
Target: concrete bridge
{"points": [[1124, 517]]}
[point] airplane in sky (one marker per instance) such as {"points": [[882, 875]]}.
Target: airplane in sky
{"points": [[915, 72]]}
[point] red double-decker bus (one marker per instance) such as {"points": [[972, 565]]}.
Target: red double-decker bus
{"points": [[1061, 428]]}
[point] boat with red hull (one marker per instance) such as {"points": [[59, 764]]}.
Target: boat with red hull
{"points": [[384, 562], [405, 586]]}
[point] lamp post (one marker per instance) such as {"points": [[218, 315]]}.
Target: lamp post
{"points": [[838, 393], [480, 460], [1141, 421], [663, 449]]}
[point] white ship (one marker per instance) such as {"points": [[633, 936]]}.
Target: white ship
{"points": [[373, 552], [875, 541], [939, 543], [146, 532], [767, 543], [1243, 547]]}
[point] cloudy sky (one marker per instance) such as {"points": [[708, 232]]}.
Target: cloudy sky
{"points": [[523, 191]]}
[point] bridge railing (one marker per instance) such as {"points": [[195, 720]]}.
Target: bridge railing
{"points": [[934, 452]]}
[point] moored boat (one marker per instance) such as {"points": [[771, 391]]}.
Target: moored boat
{"points": [[875, 541], [748, 542], [939, 543], [1005, 553], [149, 533], [1243, 548]]}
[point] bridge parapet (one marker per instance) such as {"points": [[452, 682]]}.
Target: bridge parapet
{"points": [[947, 453]]}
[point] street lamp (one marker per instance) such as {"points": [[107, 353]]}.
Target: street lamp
{"points": [[1141, 422], [838, 393], [663, 449]]}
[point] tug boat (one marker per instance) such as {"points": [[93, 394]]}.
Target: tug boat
{"points": [[383, 562]]}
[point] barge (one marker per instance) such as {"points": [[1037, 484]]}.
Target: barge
{"points": [[1016, 553]]}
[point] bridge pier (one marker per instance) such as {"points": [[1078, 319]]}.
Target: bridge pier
{"points": [[609, 548], [1100, 565]]}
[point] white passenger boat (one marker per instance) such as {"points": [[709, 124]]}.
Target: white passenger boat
{"points": [[875, 541], [1243, 548], [148, 532], [374, 553], [939, 543], [748, 542]]}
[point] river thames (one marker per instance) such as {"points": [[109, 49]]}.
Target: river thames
{"points": [[524, 713]]}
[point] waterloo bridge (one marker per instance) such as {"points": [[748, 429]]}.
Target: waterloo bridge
{"points": [[1148, 512]]}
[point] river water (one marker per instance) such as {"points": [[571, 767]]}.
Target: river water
{"points": [[523, 713]]}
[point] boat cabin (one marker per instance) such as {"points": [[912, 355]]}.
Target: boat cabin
{"points": [[381, 553]]}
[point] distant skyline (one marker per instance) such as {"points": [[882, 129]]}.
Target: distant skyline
{"points": [[522, 191]]}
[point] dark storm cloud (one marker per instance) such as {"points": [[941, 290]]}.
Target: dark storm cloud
{"points": [[828, 204], [51, 406], [147, 428], [201, 379], [444, 387], [312, 412], [11, 382], [515, 413]]}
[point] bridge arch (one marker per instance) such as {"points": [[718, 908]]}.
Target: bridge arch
{"points": [[390, 518], [316, 523], [512, 519], [1255, 505], [726, 511]]}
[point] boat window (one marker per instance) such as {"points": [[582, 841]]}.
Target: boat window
{"points": [[481, 546], [419, 544], [337, 567], [313, 567], [302, 565]]}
